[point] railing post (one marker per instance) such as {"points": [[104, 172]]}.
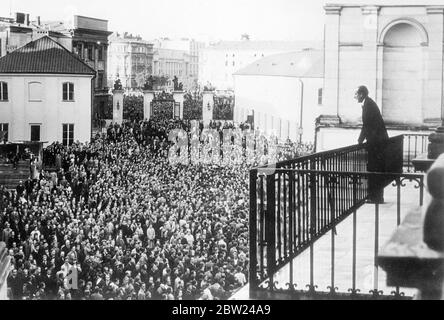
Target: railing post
{"points": [[312, 229], [291, 216], [313, 196], [355, 181], [253, 232], [270, 228]]}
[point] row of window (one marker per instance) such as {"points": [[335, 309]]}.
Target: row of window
{"points": [[67, 133], [89, 53], [35, 91]]}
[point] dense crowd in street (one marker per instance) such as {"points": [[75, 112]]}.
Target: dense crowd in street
{"points": [[115, 220]]}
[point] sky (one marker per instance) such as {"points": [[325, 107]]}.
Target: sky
{"points": [[207, 20]]}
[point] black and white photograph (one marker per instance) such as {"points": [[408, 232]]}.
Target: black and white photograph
{"points": [[222, 155]]}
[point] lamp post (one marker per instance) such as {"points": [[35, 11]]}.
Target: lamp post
{"points": [[302, 110]]}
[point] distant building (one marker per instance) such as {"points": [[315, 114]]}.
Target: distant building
{"points": [[219, 61], [45, 94], [178, 58], [89, 38], [18, 30], [277, 89], [130, 59]]}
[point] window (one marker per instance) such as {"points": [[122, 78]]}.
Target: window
{"points": [[68, 134], [226, 63], [79, 51], [3, 91], [90, 53], [4, 130], [319, 96], [35, 132], [68, 91], [35, 91], [100, 54], [233, 63]]}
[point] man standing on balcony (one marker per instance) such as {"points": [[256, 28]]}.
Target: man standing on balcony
{"points": [[375, 133]]}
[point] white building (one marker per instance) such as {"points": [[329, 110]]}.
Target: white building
{"points": [[396, 51], [45, 94], [278, 89], [219, 61]]}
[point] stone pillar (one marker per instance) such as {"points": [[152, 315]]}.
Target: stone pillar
{"points": [[148, 97], [118, 106], [4, 270], [178, 98], [434, 91], [331, 75], [370, 48], [207, 106]]}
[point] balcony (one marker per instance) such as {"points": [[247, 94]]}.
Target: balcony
{"points": [[313, 234]]}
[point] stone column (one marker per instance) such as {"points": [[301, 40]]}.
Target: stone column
{"points": [[148, 97], [433, 98], [433, 91], [331, 75], [370, 48], [118, 106], [207, 106], [178, 98]]}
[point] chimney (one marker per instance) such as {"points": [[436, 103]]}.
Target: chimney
{"points": [[38, 20]]}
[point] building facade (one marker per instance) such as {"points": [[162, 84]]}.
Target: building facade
{"points": [[170, 63], [90, 42], [397, 52], [220, 60], [85, 36], [279, 91], [46, 94], [18, 30], [130, 59], [178, 58]]}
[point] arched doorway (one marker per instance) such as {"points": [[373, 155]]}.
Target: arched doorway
{"points": [[402, 84]]}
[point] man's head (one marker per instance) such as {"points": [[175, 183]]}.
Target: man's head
{"points": [[361, 93]]}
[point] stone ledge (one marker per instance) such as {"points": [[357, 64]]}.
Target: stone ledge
{"points": [[327, 122]]}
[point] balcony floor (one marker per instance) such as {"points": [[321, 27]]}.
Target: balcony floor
{"points": [[365, 250]]}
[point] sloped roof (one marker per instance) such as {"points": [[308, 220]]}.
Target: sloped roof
{"points": [[43, 55], [264, 45], [300, 64]]}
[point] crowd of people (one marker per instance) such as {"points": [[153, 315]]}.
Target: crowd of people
{"points": [[223, 108], [115, 220], [192, 106]]}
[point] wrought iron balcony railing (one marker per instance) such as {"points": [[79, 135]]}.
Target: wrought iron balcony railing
{"points": [[295, 203]]}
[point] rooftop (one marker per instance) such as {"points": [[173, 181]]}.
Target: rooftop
{"points": [[385, 3], [301, 64], [264, 45], [46, 56]]}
